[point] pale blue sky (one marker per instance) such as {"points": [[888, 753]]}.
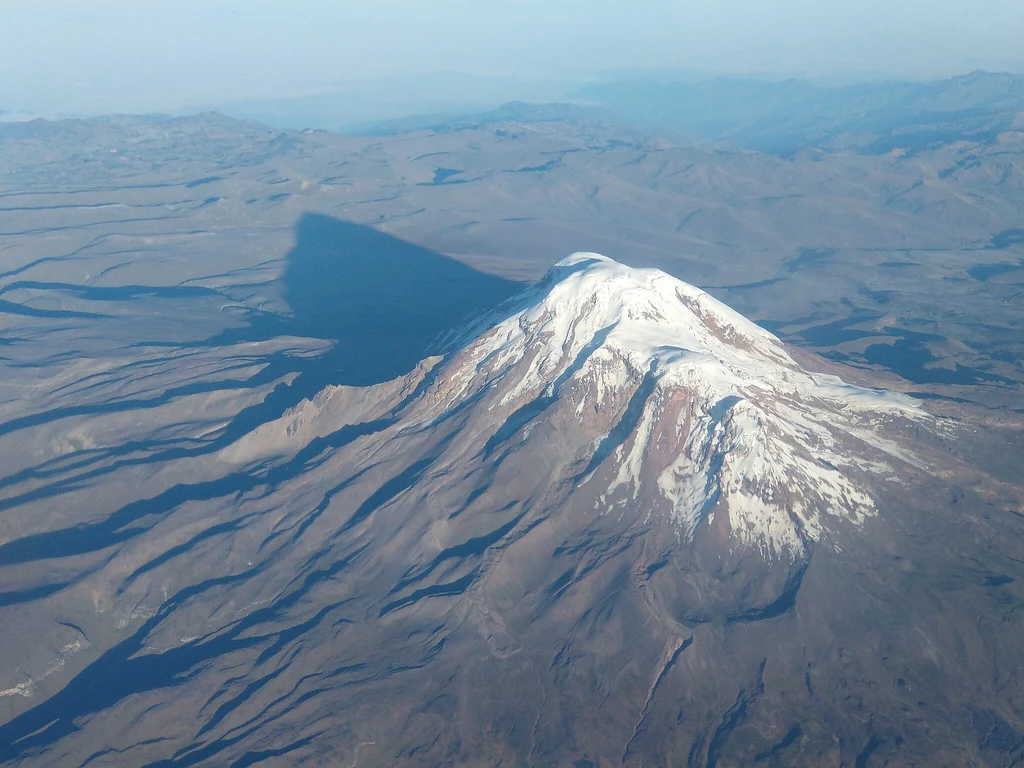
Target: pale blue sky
{"points": [[137, 55]]}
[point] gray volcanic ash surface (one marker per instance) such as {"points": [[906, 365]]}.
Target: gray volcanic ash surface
{"points": [[606, 521]]}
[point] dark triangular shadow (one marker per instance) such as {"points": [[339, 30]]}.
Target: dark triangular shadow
{"points": [[381, 301]]}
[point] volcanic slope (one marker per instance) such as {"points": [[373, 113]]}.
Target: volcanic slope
{"points": [[610, 522]]}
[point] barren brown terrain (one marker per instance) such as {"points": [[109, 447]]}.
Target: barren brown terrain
{"points": [[227, 537]]}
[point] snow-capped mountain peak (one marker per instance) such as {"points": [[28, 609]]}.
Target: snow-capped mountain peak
{"points": [[723, 426]]}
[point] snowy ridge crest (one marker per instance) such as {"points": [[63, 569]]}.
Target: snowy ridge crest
{"points": [[726, 433]]}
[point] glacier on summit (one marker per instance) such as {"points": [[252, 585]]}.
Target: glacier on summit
{"points": [[731, 421]]}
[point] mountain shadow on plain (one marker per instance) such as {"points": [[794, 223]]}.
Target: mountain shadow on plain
{"points": [[380, 300]]}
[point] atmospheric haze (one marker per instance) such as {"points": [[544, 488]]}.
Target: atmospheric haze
{"points": [[63, 57]]}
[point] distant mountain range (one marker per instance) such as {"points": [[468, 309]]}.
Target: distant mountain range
{"points": [[760, 114], [792, 114], [770, 116]]}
